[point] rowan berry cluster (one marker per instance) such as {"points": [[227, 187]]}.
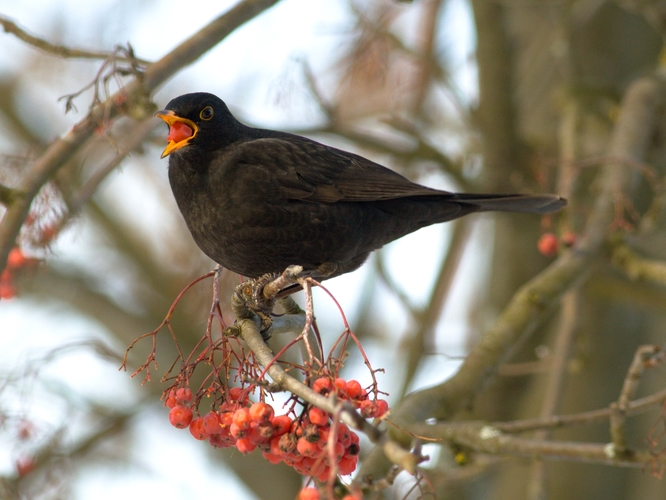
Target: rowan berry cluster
{"points": [[312, 443]]}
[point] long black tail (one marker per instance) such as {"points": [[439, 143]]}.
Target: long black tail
{"points": [[533, 203]]}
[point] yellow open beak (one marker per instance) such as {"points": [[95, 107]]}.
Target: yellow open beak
{"points": [[179, 135]]}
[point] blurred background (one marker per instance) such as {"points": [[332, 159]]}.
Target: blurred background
{"points": [[496, 96]]}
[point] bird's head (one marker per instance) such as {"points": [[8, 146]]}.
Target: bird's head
{"points": [[200, 119]]}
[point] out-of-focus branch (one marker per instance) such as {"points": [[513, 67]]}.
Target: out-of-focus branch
{"points": [[635, 407], [57, 50], [489, 440], [59, 151], [646, 356], [638, 268], [531, 303], [555, 385], [8, 195]]}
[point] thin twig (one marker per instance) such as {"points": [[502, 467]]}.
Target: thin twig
{"points": [[618, 410], [59, 50]]}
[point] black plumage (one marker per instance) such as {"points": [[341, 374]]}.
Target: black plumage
{"points": [[257, 201]]}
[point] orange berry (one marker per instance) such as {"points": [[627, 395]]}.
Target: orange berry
{"points": [[354, 389], [211, 422], [180, 416], [347, 465], [16, 258], [308, 494], [323, 386], [245, 446], [197, 429], [548, 244], [281, 425], [307, 448], [261, 412], [184, 395], [382, 407], [318, 416], [272, 458], [242, 418]]}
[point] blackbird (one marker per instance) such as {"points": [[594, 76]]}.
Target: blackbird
{"points": [[257, 201]]}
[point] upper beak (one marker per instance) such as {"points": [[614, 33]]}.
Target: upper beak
{"points": [[181, 131]]}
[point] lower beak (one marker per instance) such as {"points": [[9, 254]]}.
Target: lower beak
{"points": [[181, 131]]}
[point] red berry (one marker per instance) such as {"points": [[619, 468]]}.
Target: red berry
{"points": [[272, 458], [323, 386], [236, 394], [308, 494], [318, 416], [354, 389], [16, 258], [238, 432], [7, 290], [368, 409], [344, 435], [261, 412], [245, 446], [242, 418], [338, 450], [221, 440], [184, 395], [340, 384], [281, 425], [226, 419], [307, 448], [548, 244], [180, 416], [211, 423], [171, 399], [347, 465], [197, 429], [382, 407], [256, 434], [325, 474]]}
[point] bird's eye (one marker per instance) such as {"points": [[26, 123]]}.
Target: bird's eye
{"points": [[206, 113]]}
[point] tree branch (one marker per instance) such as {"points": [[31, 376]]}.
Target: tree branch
{"points": [[58, 50]]}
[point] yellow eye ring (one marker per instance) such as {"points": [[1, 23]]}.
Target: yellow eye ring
{"points": [[206, 113]]}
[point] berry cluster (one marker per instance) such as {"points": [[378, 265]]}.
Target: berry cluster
{"points": [[310, 443]]}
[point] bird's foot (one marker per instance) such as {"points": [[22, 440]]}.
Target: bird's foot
{"points": [[258, 295]]}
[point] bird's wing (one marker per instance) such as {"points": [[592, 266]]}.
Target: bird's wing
{"points": [[309, 171]]}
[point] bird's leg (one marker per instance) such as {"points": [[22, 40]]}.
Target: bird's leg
{"points": [[258, 295], [253, 301]]}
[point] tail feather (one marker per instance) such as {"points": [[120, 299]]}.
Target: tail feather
{"points": [[538, 203]]}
